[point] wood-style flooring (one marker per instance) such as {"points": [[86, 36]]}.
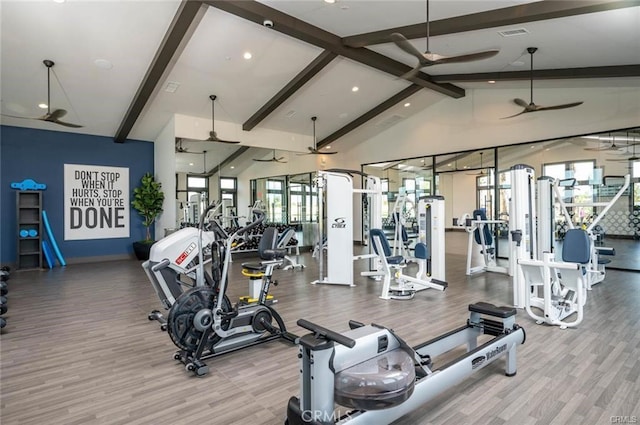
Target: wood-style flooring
{"points": [[78, 349]]}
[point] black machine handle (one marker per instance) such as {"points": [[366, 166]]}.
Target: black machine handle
{"points": [[205, 213], [261, 216], [327, 333]]}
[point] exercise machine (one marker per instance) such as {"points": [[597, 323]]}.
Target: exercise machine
{"points": [[595, 268], [283, 241], [481, 233], [558, 288], [405, 286], [371, 370], [202, 323], [336, 188], [175, 261], [431, 221]]}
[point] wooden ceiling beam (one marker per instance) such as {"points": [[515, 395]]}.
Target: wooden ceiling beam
{"points": [[185, 21], [293, 27], [514, 15], [393, 100], [292, 86], [622, 71]]}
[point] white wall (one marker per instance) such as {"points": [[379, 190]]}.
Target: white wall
{"points": [[165, 172]]}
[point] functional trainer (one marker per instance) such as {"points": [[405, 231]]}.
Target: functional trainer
{"points": [[374, 372]]}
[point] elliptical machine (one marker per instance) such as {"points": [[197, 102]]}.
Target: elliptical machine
{"points": [[202, 323]]}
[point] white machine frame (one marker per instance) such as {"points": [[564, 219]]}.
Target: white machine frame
{"points": [[337, 188], [595, 270], [490, 263]]}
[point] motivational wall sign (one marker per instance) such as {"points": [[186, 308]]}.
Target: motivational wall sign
{"points": [[96, 202]]}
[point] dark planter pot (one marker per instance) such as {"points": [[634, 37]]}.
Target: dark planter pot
{"points": [[142, 249]]}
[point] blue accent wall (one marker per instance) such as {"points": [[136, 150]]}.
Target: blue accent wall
{"points": [[40, 155]]}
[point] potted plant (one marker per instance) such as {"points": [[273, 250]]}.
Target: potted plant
{"points": [[147, 200]]}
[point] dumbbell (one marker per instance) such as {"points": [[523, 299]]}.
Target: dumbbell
{"points": [[4, 289], [4, 276], [3, 322], [3, 309]]}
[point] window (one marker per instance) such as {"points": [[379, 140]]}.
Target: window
{"points": [[228, 190], [275, 198], [194, 182], [585, 174]]}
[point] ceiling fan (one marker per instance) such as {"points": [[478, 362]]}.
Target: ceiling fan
{"points": [[213, 137], [273, 159], [51, 116], [633, 157], [428, 58], [532, 107], [483, 171], [314, 150], [611, 147]]}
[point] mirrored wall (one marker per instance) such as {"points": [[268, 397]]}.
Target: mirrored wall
{"points": [[289, 200], [480, 179]]}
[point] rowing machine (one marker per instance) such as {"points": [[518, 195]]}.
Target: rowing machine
{"points": [[374, 372]]}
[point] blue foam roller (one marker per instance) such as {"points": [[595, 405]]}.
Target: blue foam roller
{"points": [[33, 233], [24, 233]]}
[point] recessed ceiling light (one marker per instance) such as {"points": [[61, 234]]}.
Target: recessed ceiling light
{"points": [[406, 105], [232, 167], [517, 63], [103, 63], [449, 165], [42, 105], [355, 89], [58, 1], [491, 81], [191, 163], [328, 147], [247, 55], [330, 1], [533, 147]]}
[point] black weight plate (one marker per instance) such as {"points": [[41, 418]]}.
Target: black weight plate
{"points": [[180, 325]]}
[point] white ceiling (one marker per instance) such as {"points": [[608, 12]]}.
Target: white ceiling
{"points": [[128, 34]]}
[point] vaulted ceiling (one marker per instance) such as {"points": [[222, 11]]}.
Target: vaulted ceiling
{"points": [[123, 69]]}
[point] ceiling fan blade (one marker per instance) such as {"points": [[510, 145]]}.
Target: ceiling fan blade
{"points": [[632, 158], [411, 73], [56, 114], [563, 106], [404, 44], [520, 102], [263, 160], [466, 58], [519, 113], [231, 142], [66, 124]]}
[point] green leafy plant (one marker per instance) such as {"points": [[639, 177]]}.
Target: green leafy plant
{"points": [[147, 200]]}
